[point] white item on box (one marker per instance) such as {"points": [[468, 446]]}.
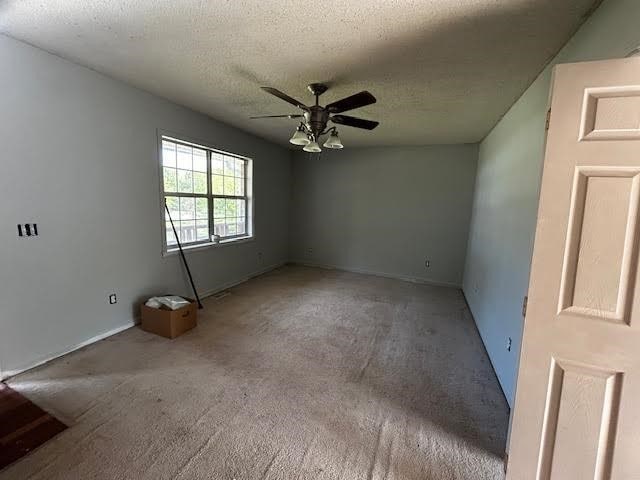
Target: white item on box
{"points": [[153, 303], [170, 301], [173, 302]]}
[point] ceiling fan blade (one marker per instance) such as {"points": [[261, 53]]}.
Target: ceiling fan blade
{"points": [[358, 100], [277, 116], [285, 97], [354, 122]]}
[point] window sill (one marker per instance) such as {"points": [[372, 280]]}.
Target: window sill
{"points": [[204, 246]]}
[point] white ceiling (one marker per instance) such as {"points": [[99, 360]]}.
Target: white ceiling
{"points": [[443, 71]]}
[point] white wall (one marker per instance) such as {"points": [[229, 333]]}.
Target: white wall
{"points": [[385, 210], [79, 157], [506, 192]]}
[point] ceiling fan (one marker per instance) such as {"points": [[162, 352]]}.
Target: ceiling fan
{"points": [[315, 118]]}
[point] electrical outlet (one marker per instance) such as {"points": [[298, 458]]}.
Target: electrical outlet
{"points": [[309, 251], [113, 299], [509, 343], [427, 263], [259, 256]]}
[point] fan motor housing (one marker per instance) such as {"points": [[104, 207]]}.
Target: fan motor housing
{"points": [[316, 120]]}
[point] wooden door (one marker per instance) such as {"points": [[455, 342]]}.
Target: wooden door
{"points": [[577, 410]]}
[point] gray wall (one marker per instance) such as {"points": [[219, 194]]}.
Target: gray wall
{"points": [[385, 210], [79, 157], [506, 192]]}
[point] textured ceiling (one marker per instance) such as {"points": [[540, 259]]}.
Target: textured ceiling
{"points": [[444, 71]]}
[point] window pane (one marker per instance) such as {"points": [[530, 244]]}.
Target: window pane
{"points": [[202, 230], [217, 165], [169, 175], [229, 166], [241, 207], [231, 208], [187, 208], [171, 238], [239, 186], [185, 181], [217, 185], [202, 208], [219, 227], [199, 182], [239, 168], [231, 226], [188, 231], [174, 208], [241, 227], [199, 160], [219, 208], [229, 186], [168, 154], [184, 157]]}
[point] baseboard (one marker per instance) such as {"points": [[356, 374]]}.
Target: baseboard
{"points": [[424, 281], [475, 324], [53, 356], [12, 373]]}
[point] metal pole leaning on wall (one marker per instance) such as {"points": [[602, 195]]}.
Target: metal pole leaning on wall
{"points": [[184, 260]]}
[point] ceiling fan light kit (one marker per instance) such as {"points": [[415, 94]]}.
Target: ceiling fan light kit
{"points": [[312, 147], [333, 141], [299, 137], [315, 118]]}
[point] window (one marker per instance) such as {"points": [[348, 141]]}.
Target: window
{"points": [[208, 194]]}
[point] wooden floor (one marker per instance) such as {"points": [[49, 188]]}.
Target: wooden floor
{"points": [[23, 426]]}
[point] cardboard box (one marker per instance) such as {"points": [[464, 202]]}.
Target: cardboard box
{"points": [[169, 323]]}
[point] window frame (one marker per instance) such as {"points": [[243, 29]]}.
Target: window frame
{"points": [[249, 234]]}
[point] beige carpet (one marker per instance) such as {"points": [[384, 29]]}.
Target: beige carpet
{"points": [[299, 374]]}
